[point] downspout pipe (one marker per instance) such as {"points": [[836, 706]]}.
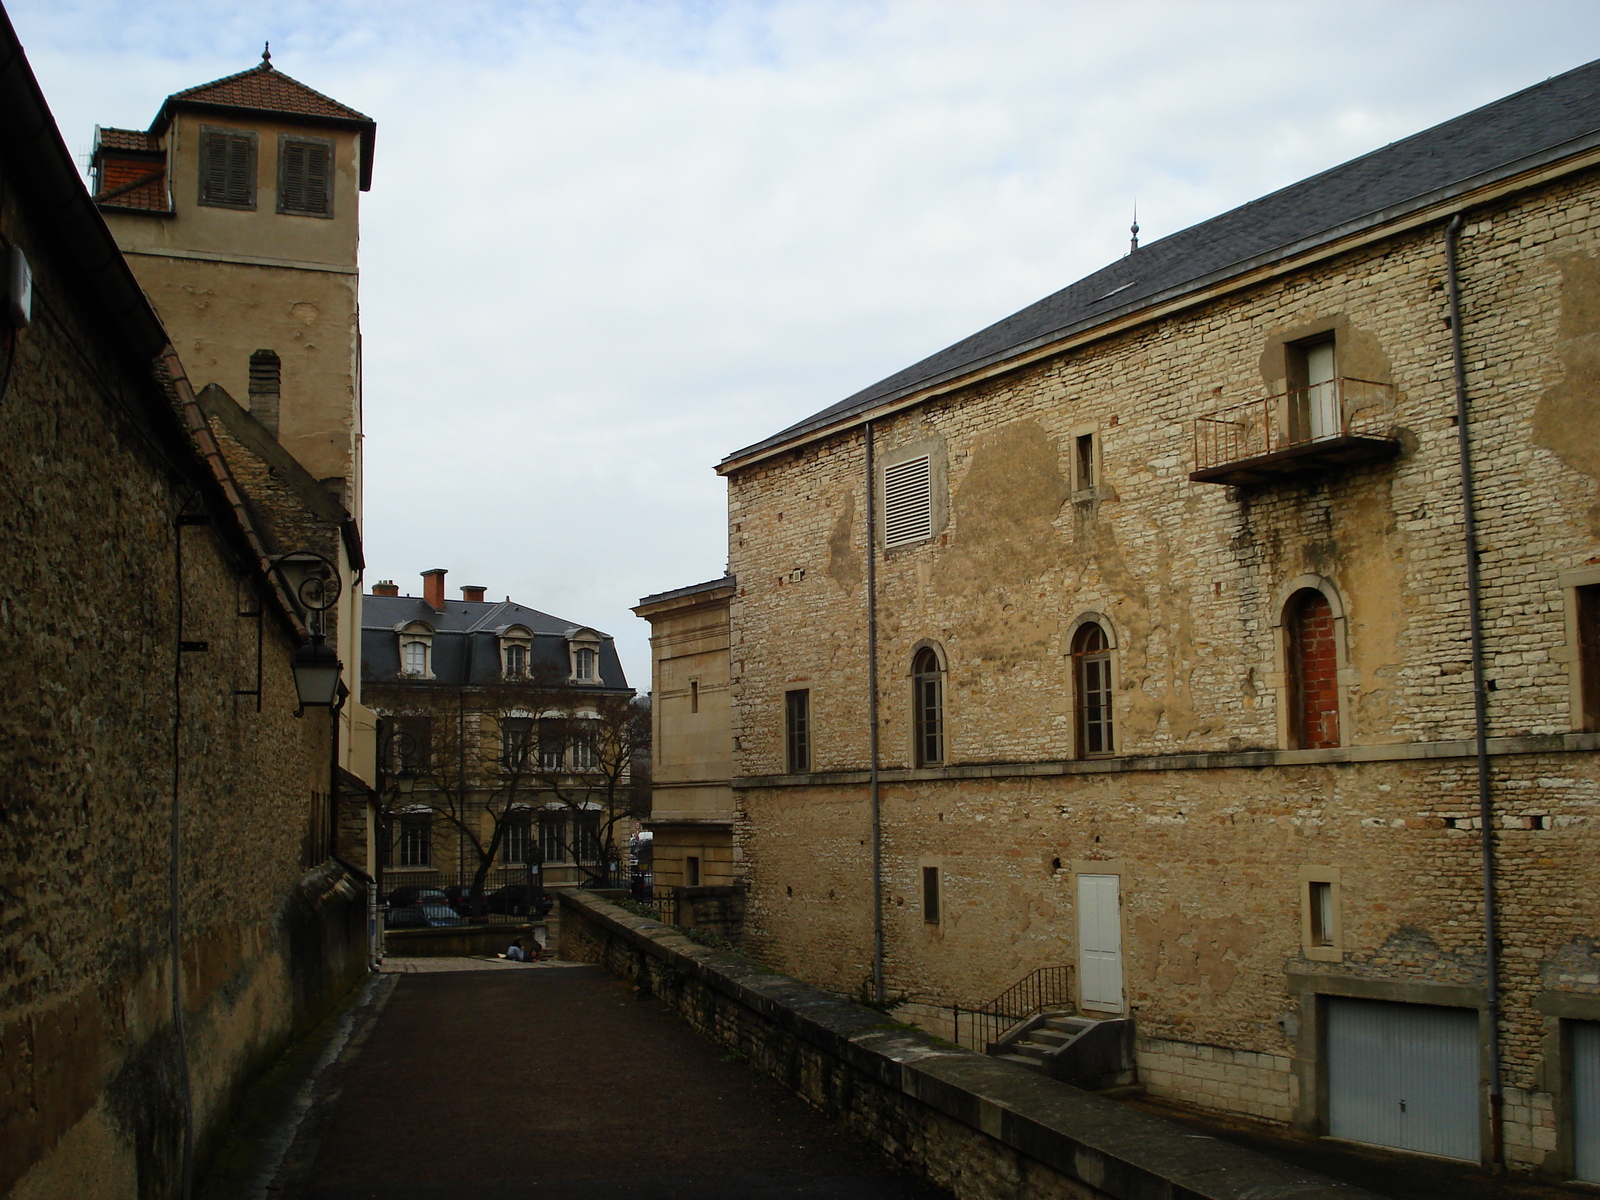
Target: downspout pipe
{"points": [[874, 784], [1480, 701]]}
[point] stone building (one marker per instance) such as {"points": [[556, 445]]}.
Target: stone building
{"points": [[506, 737], [239, 212], [1145, 632], [172, 912], [691, 804]]}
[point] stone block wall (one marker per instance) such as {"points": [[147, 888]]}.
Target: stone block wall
{"points": [[108, 728], [1207, 810], [978, 1127]]}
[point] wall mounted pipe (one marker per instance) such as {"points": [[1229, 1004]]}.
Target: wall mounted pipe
{"points": [[1480, 697], [873, 785]]}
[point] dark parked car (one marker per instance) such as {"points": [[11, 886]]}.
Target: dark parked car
{"points": [[401, 896], [519, 900], [421, 916]]}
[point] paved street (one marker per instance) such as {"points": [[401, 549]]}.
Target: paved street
{"points": [[498, 1083]]}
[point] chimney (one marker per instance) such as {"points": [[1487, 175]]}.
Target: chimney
{"points": [[472, 593], [386, 587], [433, 588]]}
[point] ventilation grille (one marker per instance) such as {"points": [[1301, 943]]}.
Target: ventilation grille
{"points": [[908, 501]]}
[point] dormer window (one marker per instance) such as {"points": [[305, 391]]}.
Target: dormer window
{"points": [[416, 651], [584, 647], [516, 651]]}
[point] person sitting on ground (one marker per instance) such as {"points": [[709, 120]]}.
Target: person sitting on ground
{"points": [[516, 953]]}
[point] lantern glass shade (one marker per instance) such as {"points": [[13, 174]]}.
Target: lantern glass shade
{"points": [[316, 673]]}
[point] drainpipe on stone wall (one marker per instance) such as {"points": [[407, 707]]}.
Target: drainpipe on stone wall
{"points": [[872, 725], [175, 850], [1480, 701]]}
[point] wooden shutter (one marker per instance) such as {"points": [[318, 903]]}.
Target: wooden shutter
{"points": [[908, 501], [225, 173], [305, 177]]}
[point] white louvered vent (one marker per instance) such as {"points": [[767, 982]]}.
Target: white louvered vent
{"points": [[908, 501]]}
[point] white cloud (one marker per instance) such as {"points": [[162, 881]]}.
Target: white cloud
{"points": [[609, 243]]}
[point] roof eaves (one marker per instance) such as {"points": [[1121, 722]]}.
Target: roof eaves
{"points": [[835, 420]]}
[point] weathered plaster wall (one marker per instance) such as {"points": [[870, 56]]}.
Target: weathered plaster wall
{"points": [[1191, 578]]}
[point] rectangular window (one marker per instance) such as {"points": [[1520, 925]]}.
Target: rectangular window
{"points": [[908, 501], [305, 176], [1320, 901], [583, 754], [518, 844], [416, 840], [694, 695], [588, 831], [691, 871], [516, 661], [583, 665], [1083, 465], [1321, 939], [1588, 599], [414, 658], [553, 836], [797, 730], [405, 744], [516, 733], [930, 895], [552, 744], [227, 168]]}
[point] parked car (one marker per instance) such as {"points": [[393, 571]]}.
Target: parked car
{"points": [[402, 896], [421, 916], [519, 900]]}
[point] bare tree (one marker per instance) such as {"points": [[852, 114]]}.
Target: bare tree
{"points": [[589, 759]]}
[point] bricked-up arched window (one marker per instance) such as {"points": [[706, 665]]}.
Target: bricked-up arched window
{"points": [[1091, 670], [1312, 670], [927, 708]]}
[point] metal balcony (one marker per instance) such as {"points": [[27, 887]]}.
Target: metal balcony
{"points": [[1328, 426]]}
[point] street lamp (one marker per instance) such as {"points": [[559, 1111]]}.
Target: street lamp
{"points": [[316, 674]]}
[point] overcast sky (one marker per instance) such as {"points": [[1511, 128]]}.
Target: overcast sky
{"points": [[607, 244]]}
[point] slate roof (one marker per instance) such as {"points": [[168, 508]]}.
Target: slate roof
{"points": [[466, 647], [1544, 123], [709, 585], [264, 88]]}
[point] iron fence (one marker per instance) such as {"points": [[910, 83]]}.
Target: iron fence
{"points": [[1046, 989], [422, 899], [660, 903]]}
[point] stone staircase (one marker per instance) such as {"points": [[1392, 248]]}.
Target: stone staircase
{"points": [[1088, 1052]]}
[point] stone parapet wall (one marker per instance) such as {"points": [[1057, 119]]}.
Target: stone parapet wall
{"points": [[980, 1128]]}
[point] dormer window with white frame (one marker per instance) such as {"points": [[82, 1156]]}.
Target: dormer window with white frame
{"points": [[516, 651], [416, 651], [584, 647]]}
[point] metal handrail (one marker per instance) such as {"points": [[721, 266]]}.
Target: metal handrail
{"points": [[1342, 407], [1041, 990]]}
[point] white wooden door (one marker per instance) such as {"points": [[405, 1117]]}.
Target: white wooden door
{"points": [[1100, 942], [1322, 393], [1404, 1075], [1585, 1046]]}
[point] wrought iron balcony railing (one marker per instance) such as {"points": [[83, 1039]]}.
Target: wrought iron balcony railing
{"points": [[1340, 423]]}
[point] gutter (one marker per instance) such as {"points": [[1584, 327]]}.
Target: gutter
{"points": [[874, 783], [1480, 700]]}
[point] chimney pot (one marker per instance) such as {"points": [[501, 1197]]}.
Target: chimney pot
{"points": [[472, 593], [433, 588], [386, 587]]}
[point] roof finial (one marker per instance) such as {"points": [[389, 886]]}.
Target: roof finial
{"points": [[1133, 242], [266, 54]]}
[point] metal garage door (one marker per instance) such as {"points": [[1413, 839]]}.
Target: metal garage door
{"points": [[1404, 1075], [1586, 1100]]}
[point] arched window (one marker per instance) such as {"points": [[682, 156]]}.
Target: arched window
{"points": [[927, 708], [1091, 676], [1311, 670], [516, 660]]}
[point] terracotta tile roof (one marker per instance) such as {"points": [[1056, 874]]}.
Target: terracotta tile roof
{"points": [[128, 139], [267, 89], [134, 183]]}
